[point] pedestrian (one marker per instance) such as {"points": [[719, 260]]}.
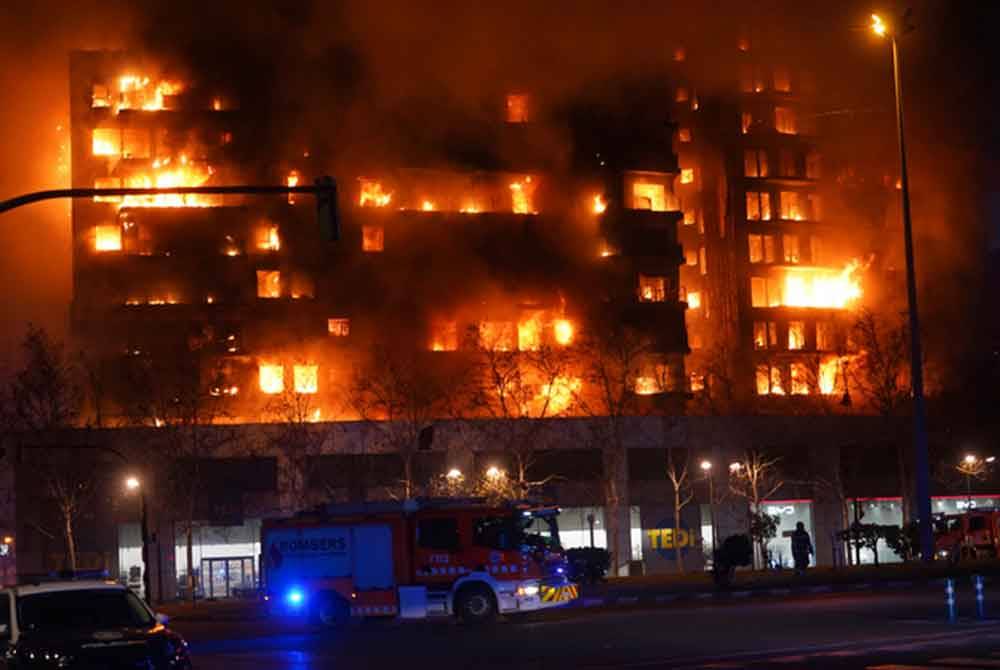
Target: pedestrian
{"points": [[802, 547]]}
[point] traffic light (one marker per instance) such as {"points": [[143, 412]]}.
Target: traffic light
{"points": [[326, 209]]}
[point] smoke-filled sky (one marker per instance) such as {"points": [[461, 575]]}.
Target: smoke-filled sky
{"points": [[323, 70]]}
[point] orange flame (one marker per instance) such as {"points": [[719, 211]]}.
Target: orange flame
{"points": [[562, 330], [599, 205], [373, 195], [821, 287]]}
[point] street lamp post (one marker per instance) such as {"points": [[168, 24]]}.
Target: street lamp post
{"points": [[133, 484], [921, 458], [706, 467]]}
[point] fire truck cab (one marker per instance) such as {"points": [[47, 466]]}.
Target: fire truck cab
{"points": [[974, 534], [415, 559]]}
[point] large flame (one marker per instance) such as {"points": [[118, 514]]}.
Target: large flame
{"points": [[522, 195], [822, 287], [272, 378], [135, 92], [559, 394], [562, 330], [164, 173], [373, 195]]}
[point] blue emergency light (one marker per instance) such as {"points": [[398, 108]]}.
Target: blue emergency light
{"points": [[295, 597]]}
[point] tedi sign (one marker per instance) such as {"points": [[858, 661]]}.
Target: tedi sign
{"points": [[665, 539]]}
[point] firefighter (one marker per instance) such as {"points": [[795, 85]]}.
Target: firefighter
{"points": [[802, 547]]}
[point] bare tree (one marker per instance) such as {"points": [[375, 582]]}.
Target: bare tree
{"points": [[515, 392], [295, 432], [679, 474], [611, 360], [755, 479], [44, 398], [879, 372], [719, 395]]}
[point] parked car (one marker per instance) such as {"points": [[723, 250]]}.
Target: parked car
{"points": [[85, 624]]}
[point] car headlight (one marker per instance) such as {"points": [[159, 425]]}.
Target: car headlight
{"points": [[527, 590], [46, 659], [943, 553]]}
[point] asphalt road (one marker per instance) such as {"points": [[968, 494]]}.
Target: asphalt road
{"points": [[871, 630]]}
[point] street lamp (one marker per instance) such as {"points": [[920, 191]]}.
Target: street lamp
{"points": [[133, 484], [706, 467], [454, 474], [493, 472], [921, 458], [972, 466], [735, 467]]}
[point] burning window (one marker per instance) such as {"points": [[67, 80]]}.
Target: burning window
{"points": [[821, 287], [800, 379], [136, 143], [786, 121], [649, 195], [765, 292], [746, 121], [830, 378], [679, 54], [796, 335], [563, 331], [684, 134], [108, 237], [292, 179], [302, 286], [522, 196], [558, 396], [790, 245], [106, 142], [445, 336], [529, 334], [598, 205], [338, 327], [755, 242], [372, 194], [691, 257], [694, 299], [768, 380], [793, 205], [751, 79], [682, 94], [690, 217], [267, 237], [758, 206], [824, 336], [755, 163], [687, 175], [782, 80], [268, 284], [498, 335], [306, 378], [517, 108], [652, 288], [703, 260], [100, 96], [765, 334], [813, 209], [814, 165], [372, 239], [272, 378], [136, 92], [788, 163]]}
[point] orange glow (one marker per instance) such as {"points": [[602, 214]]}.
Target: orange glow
{"points": [[372, 239], [559, 394], [652, 288], [268, 238], [445, 336], [338, 327], [306, 378], [108, 238], [694, 300], [522, 195], [829, 371], [268, 284], [529, 334], [216, 104], [470, 208], [136, 92], [687, 175], [292, 180], [166, 173], [427, 206], [600, 205], [372, 194], [106, 142], [272, 378], [647, 386], [562, 330], [498, 335], [822, 287]]}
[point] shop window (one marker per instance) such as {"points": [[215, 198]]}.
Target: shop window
{"points": [[824, 336], [517, 108], [796, 335], [790, 245], [268, 284], [782, 80], [755, 163], [108, 237], [684, 134], [136, 143], [653, 288], [438, 534], [338, 327], [800, 379], [272, 378], [306, 378], [786, 121], [372, 239], [758, 206]]}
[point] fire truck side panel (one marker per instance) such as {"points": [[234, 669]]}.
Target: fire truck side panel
{"points": [[373, 564]]}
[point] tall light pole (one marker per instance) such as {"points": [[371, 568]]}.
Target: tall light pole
{"points": [[922, 471], [133, 484], [706, 467]]}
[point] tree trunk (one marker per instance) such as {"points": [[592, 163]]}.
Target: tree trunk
{"points": [[407, 476], [677, 526], [70, 540], [611, 509], [189, 540]]}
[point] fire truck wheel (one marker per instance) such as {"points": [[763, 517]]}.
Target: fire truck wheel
{"points": [[475, 604], [332, 611]]}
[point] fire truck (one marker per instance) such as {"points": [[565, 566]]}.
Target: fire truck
{"points": [[415, 559], [974, 534]]}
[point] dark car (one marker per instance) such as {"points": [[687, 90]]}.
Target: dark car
{"points": [[85, 625]]}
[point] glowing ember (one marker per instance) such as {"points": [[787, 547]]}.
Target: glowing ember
{"points": [[562, 330], [108, 238], [292, 180], [427, 206], [821, 287], [306, 378], [272, 378], [373, 195], [558, 396], [522, 195], [694, 299], [529, 334], [599, 205]]}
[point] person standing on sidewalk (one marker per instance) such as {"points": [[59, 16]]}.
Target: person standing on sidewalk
{"points": [[802, 547]]}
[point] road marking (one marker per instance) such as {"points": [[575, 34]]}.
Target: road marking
{"points": [[969, 662]]}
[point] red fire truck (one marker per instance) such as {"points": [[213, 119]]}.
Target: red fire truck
{"points": [[415, 559], [974, 534]]}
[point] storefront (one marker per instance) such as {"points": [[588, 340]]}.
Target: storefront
{"points": [[585, 527], [789, 513], [225, 559]]}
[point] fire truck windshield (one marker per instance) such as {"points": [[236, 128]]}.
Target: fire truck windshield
{"points": [[540, 532]]}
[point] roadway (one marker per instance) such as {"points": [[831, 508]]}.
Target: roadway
{"points": [[870, 630]]}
